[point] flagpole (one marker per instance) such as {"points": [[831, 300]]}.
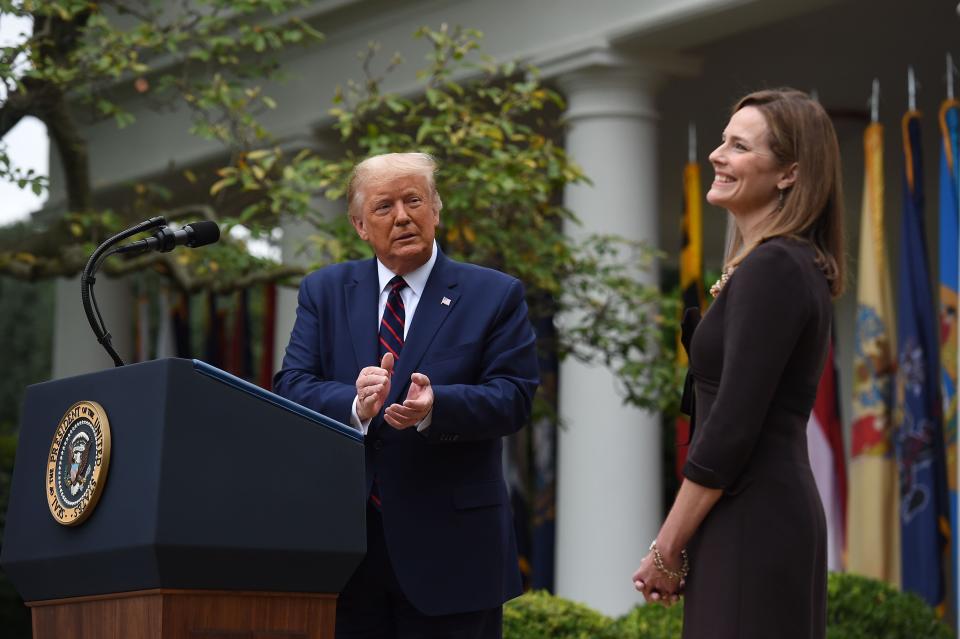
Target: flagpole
{"points": [[691, 142], [875, 102], [951, 70], [911, 89]]}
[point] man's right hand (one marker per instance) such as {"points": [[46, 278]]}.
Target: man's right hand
{"points": [[373, 386]]}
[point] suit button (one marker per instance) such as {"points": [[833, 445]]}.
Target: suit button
{"points": [[378, 444]]}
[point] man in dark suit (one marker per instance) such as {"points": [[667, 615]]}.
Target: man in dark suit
{"points": [[434, 361]]}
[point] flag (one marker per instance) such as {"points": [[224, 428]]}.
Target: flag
{"points": [[543, 434], [269, 329], [216, 346], [166, 343], [142, 330], [691, 250], [825, 443], [180, 317], [919, 437], [240, 361], [691, 282], [873, 525], [516, 471], [949, 183]]}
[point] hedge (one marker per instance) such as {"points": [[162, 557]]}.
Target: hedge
{"points": [[857, 608]]}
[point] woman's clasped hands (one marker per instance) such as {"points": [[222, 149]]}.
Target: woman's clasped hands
{"points": [[661, 577]]}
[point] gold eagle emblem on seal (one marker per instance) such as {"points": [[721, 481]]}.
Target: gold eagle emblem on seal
{"points": [[78, 462]]}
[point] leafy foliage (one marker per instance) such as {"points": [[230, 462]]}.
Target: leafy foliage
{"points": [[650, 622], [857, 608], [539, 614], [14, 616], [203, 53], [26, 324], [492, 128], [85, 62], [861, 608]]}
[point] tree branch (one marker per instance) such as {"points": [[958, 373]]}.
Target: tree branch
{"points": [[74, 154]]}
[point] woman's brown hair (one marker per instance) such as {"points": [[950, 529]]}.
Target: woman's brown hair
{"points": [[812, 208]]}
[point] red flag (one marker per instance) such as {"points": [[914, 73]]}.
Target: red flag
{"points": [[825, 446], [265, 379]]}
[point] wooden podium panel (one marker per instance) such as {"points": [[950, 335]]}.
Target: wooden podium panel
{"points": [[187, 614]]}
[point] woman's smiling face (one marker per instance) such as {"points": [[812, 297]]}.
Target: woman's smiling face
{"points": [[746, 172]]}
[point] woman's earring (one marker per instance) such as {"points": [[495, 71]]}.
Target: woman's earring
{"points": [[781, 196]]}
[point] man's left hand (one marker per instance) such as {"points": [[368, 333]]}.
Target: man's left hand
{"points": [[415, 407]]}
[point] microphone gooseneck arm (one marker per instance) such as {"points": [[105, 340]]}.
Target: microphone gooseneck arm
{"points": [[87, 280]]}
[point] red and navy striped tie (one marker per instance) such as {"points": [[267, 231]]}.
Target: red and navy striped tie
{"points": [[391, 341], [391, 326]]}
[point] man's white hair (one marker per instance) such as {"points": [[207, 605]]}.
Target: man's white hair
{"points": [[389, 166]]}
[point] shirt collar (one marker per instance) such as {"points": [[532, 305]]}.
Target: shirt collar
{"points": [[415, 279]]}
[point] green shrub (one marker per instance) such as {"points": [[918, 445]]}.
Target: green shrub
{"points": [[857, 608], [539, 615], [14, 616], [862, 608], [650, 622]]}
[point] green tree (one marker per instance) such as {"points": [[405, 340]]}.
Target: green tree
{"points": [[492, 128], [85, 60]]}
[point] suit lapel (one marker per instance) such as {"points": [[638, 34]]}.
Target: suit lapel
{"points": [[429, 317], [362, 295]]}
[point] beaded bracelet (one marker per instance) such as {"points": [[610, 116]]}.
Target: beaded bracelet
{"points": [[676, 575]]}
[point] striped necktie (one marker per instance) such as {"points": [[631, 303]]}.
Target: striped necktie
{"points": [[391, 341], [391, 326]]}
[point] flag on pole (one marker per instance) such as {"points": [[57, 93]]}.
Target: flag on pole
{"points": [[825, 443], [691, 250], [949, 184], [180, 316], [691, 280], [240, 360], [543, 434], [269, 331], [216, 343], [919, 441], [142, 331], [873, 524], [166, 341]]}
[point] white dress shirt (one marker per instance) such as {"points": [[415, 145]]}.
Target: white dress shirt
{"points": [[416, 281]]}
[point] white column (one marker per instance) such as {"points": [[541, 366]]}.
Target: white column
{"points": [[609, 467], [75, 348]]}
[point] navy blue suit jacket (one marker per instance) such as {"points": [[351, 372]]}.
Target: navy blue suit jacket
{"points": [[446, 516]]}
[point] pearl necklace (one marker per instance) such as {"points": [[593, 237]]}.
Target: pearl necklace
{"points": [[719, 284]]}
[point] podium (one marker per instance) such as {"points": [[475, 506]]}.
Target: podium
{"points": [[224, 511]]}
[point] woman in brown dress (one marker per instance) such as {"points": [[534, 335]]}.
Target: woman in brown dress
{"points": [[747, 522]]}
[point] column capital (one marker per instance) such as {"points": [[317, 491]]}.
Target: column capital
{"points": [[600, 81]]}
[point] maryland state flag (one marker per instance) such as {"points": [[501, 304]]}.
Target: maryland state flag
{"points": [[873, 525], [691, 279], [949, 183], [923, 500]]}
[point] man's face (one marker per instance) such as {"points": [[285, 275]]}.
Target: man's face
{"points": [[398, 218]]}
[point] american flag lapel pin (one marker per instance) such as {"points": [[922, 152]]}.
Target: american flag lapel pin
{"points": [[445, 301]]}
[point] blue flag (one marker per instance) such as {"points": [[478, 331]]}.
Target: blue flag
{"points": [[949, 183], [920, 450]]}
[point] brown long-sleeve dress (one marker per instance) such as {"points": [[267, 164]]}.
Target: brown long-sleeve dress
{"points": [[758, 560]]}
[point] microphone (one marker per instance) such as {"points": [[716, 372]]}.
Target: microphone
{"points": [[192, 235]]}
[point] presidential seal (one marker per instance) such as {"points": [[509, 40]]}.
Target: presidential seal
{"points": [[78, 462]]}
